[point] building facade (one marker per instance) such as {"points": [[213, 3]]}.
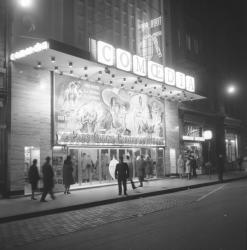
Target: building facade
{"points": [[110, 83]]}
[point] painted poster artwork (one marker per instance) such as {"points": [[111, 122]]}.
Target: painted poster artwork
{"points": [[82, 107]]}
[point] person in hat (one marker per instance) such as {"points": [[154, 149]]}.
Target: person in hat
{"points": [[122, 174], [48, 182]]}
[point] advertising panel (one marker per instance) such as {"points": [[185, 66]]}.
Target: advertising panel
{"points": [[93, 114]]}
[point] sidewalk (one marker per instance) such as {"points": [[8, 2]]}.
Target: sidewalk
{"points": [[22, 207]]}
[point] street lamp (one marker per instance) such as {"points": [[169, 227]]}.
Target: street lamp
{"points": [[208, 135], [231, 89], [25, 3]]}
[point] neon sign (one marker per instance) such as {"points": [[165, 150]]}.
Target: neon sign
{"points": [[30, 50], [122, 59]]}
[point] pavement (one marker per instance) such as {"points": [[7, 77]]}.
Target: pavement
{"points": [[18, 208]]}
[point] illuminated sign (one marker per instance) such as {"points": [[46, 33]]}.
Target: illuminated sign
{"points": [[70, 138], [150, 34], [193, 138], [30, 50], [105, 53], [155, 71], [123, 60], [170, 76], [180, 80], [139, 65]]}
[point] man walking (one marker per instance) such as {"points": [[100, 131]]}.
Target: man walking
{"points": [[47, 180], [122, 174]]}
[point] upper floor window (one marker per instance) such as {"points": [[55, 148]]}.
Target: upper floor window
{"points": [[196, 46], [188, 41]]}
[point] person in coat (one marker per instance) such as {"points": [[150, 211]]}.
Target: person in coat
{"points": [[33, 176], [148, 167], [193, 165], [180, 165], [67, 174], [188, 167], [131, 171], [220, 167], [122, 174], [140, 167], [48, 181]]}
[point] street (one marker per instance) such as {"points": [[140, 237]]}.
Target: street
{"points": [[207, 218]]}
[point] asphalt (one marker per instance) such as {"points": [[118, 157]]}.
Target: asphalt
{"points": [[18, 208]]}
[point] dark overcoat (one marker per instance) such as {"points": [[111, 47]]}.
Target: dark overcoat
{"points": [[48, 175], [67, 173], [122, 171]]}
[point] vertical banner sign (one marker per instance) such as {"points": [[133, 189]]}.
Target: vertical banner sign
{"points": [[149, 37]]}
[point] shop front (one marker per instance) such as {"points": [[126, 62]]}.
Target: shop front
{"points": [[65, 103], [96, 124]]}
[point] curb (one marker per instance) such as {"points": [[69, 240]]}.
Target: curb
{"points": [[111, 201]]}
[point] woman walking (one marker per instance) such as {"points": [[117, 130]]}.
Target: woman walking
{"points": [[67, 174], [33, 176]]}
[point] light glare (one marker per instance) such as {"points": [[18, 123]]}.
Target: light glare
{"points": [[25, 3]]}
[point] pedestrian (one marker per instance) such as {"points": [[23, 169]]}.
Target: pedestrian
{"points": [[148, 167], [188, 167], [122, 174], [33, 176], [67, 174], [220, 165], [140, 167], [180, 165], [193, 165], [131, 171], [48, 181]]}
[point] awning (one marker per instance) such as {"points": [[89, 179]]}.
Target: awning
{"points": [[64, 59]]}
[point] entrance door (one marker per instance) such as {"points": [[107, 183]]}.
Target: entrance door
{"points": [[30, 153]]}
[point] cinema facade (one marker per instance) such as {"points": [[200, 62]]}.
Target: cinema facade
{"points": [[94, 106]]}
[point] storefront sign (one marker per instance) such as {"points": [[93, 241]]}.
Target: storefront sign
{"points": [[123, 60], [30, 50], [96, 139], [193, 138]]}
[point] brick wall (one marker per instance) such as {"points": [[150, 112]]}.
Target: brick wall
{"points": [[30, 119]]}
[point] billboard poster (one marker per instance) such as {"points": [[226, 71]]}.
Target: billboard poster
{"points": [[87, 113]]}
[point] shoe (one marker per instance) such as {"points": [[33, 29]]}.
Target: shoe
{"points": [[32, 198], [134, 188], [126, 194], [141, 186], [43, 200], [68, 192]]}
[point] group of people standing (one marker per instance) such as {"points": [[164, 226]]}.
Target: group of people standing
{"points": [[48, 178], [187, 168], [123, 172]]}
